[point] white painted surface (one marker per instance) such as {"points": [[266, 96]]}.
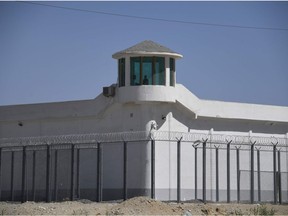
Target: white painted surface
{"points": [[134, 108], [230, 110], [146, 93]]}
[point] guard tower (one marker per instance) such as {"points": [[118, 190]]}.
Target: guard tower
{"points": [[146, 72]]}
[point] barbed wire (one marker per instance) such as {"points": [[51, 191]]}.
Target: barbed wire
{"points": [[130, 136], [221, 138]]}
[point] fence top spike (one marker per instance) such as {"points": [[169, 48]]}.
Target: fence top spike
{"points": [[196, 143], [228, 141], [205, 140], [122, 138]]}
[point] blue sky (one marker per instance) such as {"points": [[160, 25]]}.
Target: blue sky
{"points": [[51, 54]]}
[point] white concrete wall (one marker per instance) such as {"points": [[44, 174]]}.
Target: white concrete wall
{"points": [[146, 93], [174, 109], [230, 110], [166, 169]]}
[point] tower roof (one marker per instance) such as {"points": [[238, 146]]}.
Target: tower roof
{"points": [[147, 47]]}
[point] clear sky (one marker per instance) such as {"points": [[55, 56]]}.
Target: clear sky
{"points": [[50, 54]]}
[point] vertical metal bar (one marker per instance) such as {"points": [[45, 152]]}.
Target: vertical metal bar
{"points": [[125, 170], [56, 176], [23, 174], [78, 173], [238, 174], [252, 174], [279, 178], [196, 174], [26, 181], [179, 170], [0, 174], [259, 175], [33, 175], [72, 172], [48, 159], [217, 174], [12, 177], [204, 171], [99, 172], [152, 169], [228, 172], [274, 174]]}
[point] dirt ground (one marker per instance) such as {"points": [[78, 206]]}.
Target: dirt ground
{"points": [[138, 206]]}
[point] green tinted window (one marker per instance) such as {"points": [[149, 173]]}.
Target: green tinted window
{"points": [[147, 71], [147, 68], [159, 73], [135, 71]]}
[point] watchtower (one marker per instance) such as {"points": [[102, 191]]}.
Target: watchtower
{"points": [[146, 72]]}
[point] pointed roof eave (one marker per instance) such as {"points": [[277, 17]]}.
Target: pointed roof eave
{"points": [[147, 48]]}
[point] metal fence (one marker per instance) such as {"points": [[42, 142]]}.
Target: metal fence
{"points": [[50, 168]]}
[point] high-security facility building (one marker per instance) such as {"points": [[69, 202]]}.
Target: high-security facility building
{"points": [[144, 135]]}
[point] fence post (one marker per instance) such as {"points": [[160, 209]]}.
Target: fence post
{"points": [[179, 170], [78, 173], [48, 158], [204, 170], [274, 173], [217, 173], [228, 171], [72, 172], [258, 174], [125, 170], [56, 175], [33, 175], [12, 177], [23, 174], [99, 172], [252, 173], [195, 172], [0, 174], [152, 169], [279, 177], [238, 173]]}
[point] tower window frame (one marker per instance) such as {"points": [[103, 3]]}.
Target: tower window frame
{"points": [[172, 71], [121, 72], [147, 70]]}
